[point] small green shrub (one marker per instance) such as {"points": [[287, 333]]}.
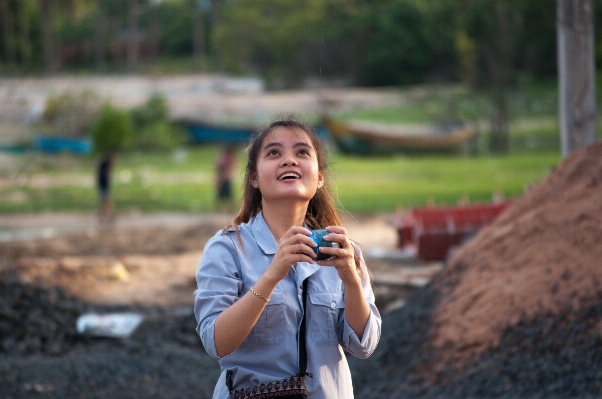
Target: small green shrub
{"points": [[112, 129], [155, 109], [159, 136], [152, 129], [70, 114]]}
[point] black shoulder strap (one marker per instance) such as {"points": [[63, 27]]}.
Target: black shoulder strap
{"points": [[302, 348]]}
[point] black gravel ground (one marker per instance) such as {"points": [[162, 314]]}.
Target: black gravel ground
{"points": [[41, 354]]}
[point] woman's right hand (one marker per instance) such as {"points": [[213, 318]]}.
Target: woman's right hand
{"points": [[294, 246]]}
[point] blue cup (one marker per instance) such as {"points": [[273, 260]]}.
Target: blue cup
{"points": [[318, 237]]}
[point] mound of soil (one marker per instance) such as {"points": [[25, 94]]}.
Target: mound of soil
{"points": [[516, 312]]}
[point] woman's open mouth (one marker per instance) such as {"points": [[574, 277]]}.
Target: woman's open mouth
{"points": [[289, 176]]}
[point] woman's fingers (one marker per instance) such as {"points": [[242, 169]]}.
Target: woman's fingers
{"points": [[295, 230], [337, 235], [295, 246], [342, 255], [303, 249], [337, 252], [337, 230], [296, 236]]}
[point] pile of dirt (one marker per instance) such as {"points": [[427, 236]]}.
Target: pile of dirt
{"points": [[516, 312]]}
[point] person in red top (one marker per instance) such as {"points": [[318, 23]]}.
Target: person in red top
{"points": [[225, 165]]}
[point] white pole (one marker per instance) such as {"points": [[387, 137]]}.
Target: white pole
{"points": [[576, 74]]}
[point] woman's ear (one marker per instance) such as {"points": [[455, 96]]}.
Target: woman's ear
{"points": [[254, 181], [320, 180]]}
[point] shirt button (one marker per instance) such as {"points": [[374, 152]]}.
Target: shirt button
{"points": [[333, 304]]}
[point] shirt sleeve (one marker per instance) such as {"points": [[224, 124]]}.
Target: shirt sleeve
{"points": [[218, 286], [350, 341]]}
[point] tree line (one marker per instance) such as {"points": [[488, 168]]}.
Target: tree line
{"points": [[287, 42], [487, 45]]}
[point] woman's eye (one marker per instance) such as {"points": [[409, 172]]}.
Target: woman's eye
{"points": [[273, 152], [303, 152]]}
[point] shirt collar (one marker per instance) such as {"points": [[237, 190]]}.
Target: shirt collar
{"points": [[263, 235]]}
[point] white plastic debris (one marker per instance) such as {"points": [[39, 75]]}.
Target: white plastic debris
{"points": [[119, 272], [115, 325]]}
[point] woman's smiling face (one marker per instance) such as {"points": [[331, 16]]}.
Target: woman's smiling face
{"points": [[287, 167]]}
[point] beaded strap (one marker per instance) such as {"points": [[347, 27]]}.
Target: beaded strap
{"points": [[292, 387]]}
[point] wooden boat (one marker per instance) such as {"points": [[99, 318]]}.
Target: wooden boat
{"points": [[376, 138]]}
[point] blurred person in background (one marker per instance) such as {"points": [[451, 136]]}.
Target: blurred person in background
{"points": [[225, 164], [106, 213]]}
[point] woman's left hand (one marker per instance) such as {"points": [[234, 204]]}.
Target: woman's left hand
{"points": [[343, 258], [357, 310]]}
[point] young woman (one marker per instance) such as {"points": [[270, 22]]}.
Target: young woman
{"points": [[249, 302]]}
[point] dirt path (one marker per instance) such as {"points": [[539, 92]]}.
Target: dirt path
{"points": [[150, 260]]}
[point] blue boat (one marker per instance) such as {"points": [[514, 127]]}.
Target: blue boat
{"points": [[206, 133], [63, 144], [202, 133], [14, 148]]}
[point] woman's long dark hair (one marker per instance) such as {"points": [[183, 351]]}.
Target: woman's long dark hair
{"points": [[321, 210]]}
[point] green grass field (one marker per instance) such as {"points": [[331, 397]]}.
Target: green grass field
{"points": [[183, 181], [381, 185]]}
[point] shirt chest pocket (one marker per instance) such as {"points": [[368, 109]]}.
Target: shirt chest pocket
{"points": [[269, 328], [325, 311]]}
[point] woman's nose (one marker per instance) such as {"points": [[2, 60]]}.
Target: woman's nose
{"points": [[289, 161]]}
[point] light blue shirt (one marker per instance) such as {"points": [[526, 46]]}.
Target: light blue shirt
{"points": [[270, 352]]}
